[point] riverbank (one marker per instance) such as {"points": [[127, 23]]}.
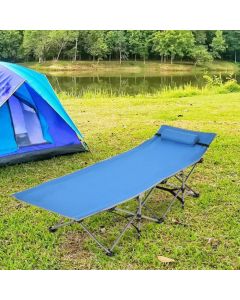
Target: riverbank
{"points": [[203, 236], [130, 67]]}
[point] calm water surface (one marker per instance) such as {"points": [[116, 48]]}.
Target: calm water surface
{"points": [[79, 84]]}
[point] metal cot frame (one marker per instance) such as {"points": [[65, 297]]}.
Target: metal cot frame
{"points": [[135, 218]]}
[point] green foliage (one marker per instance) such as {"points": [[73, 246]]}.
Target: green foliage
{"points": [[59, 39], [214, 80], [173, 43], [200, 55], [117, 41], [170, 45], [230, 86], [218, 44], [138, 43], [95, 44], [232, 38], [200, 37], [10, 44], [36, 43]]}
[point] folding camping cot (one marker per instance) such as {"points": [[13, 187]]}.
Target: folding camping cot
{"points": [[130, 175]]}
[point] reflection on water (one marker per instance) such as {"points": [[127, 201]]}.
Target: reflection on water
{"points": [[122, 85]]}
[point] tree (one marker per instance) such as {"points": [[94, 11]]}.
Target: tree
{"points": [[10, 44], [16, 45], [117, 42], [218, 44], [138, 43], [200, 37], [95, 44], [232, 38], [59, 39], [173, 43], [36, 43], [200, 55], [134, 42]]}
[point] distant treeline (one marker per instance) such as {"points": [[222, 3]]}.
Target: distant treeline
{"points": [[166, 45]]}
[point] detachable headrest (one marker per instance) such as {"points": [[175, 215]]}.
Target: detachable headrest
{"points": [[178, 136]]}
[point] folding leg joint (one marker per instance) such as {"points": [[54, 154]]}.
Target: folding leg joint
{"points": [[160, 220], [139, 216], [55, 227], [109, 253], [52, 229]]}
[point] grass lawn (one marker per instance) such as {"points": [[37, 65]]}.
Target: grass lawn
{"points": [[203, 236]]}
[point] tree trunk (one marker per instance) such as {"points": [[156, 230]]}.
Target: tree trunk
{"points": [[59, 52], [41, 58], [171, 59], [235, 56], [144, 60], [75, 54], [120, 57]]}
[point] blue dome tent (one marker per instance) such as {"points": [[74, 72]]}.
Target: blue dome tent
{"points": [[33, 123]]}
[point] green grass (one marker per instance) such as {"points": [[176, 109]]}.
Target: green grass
{"points": [[112, 125], [114, 68]]}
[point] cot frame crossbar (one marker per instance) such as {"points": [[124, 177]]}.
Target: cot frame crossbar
{"points": [[135, 218]]}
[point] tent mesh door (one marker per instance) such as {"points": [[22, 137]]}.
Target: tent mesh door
{"points": [[27, 126]]}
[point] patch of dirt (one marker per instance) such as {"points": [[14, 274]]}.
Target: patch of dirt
{"points": [[73, 253]]}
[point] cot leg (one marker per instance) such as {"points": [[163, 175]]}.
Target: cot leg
{"points": [[107, 251], [170, 205], [139, 216], [122, 233], [189, 191], [138, 213], [178, 192], [62, 224], [192, 192], [154, 218], [183, 189]]}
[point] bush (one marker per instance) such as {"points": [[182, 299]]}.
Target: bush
{"points": [[200, 55], [215, 80], [230, 86]]}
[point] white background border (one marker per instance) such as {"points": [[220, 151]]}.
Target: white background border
{"points": [[119, 285], [123, 14]]}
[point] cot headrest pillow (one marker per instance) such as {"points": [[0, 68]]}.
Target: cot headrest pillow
{"points": [[179, 136]]}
